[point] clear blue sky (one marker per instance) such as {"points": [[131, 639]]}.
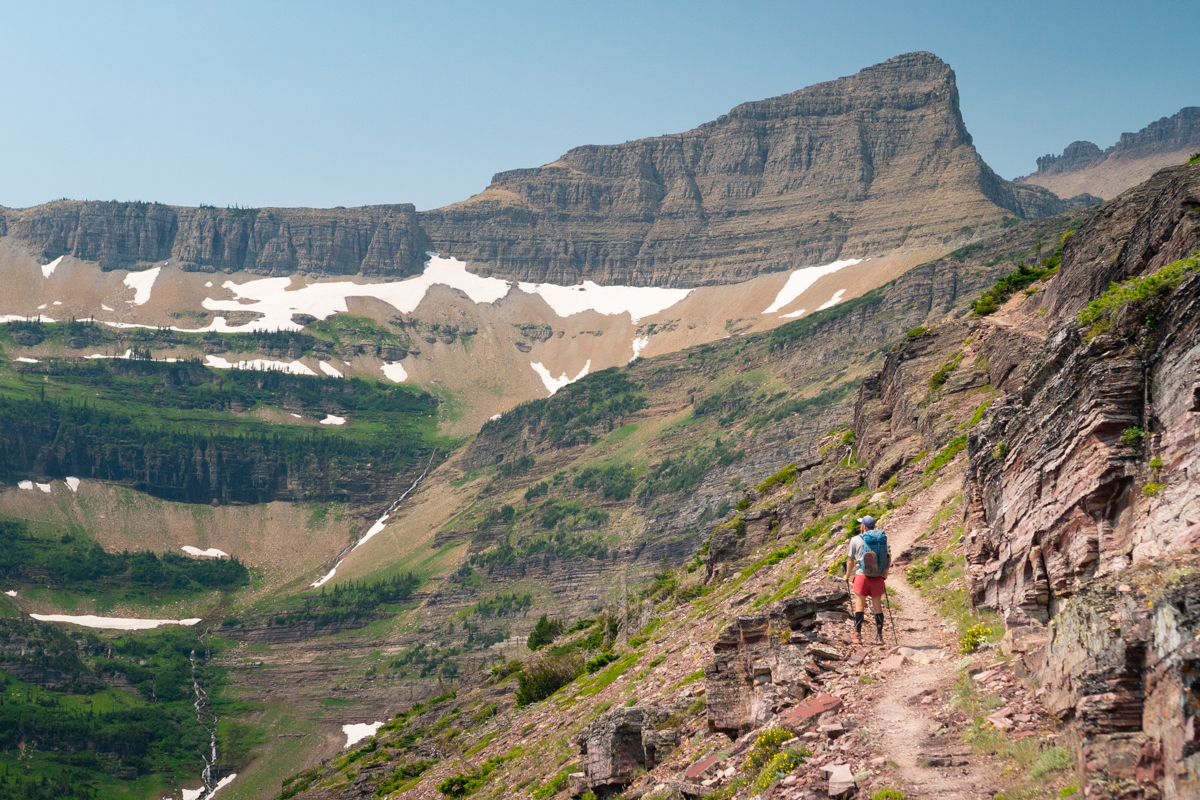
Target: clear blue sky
{"points": [[351, 103]]}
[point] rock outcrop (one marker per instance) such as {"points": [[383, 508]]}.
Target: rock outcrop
{"points": [[1084, 167], [622, 741], [369, 241], [758, 671], [850, 168]]}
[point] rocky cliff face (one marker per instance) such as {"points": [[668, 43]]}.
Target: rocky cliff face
{"points": [[1084, 167], [374, 240], [850, 168]]}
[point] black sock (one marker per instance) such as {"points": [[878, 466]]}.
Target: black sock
{"points": [[858, 621], [879, 625]]}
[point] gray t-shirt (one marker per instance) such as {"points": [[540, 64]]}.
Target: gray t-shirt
{"points": [[854, 552]]}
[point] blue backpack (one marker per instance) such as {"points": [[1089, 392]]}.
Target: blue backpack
{"points": [[874, 560]]}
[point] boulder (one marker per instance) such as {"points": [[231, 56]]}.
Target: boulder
{"points": [[618, 743]]}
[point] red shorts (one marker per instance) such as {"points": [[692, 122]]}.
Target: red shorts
{"points": [[868, 587]]}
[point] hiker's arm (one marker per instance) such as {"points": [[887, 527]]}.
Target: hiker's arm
{"points": [[849, 567]]}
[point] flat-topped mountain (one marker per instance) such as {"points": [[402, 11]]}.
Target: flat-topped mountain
{"points": [[1084, 167], [855, 167]]}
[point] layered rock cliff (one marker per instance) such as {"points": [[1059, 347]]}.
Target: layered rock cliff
{"points": [[373, 240], [1084, 167], [854, 167]]}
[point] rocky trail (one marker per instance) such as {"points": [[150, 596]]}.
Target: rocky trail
{"points": [[909, 734]]}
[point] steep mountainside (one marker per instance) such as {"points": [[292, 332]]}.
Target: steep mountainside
{"points": [[855, 167], [1084, 167], [375, 240]]}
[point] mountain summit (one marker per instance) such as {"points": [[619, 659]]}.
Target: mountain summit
{"points": [[855, 167]]}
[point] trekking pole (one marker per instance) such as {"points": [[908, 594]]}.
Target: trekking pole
{"points": [[891, 616]]}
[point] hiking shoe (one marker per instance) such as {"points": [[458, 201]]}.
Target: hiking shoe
{"points": [[854, 638], [879, 637]]}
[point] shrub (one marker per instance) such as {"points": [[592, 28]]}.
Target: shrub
{"points": [[947, 453], [1151, 489], [993, 298], [917, 333], [976, 635], [537, 490], [1132, 437], [939, 378], [783, 477], [1051, 760], [601, 661], [889, 794], [552, 786], [780, 766], [917, 574], [1195, 159], [696, 706], [1000, 450], [546, 676], [544, 632], [766, 746], [1145, 293]]}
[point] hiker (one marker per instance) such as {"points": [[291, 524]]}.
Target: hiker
{"points": [[867, 562]]}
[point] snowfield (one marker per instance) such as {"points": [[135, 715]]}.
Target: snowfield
{"points": [[141, 283], [554, 384], [329, 369], [357, 732], [800, 280], [833, 301], [112, 623], [637, 301], [211, 552], [48, 269], [395, 372], [261, 364], [331, 419]]}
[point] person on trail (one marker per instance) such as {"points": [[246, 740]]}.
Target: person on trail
{"points": [[868, 560]]}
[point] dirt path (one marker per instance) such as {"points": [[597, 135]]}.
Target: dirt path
{"points": [[908, 732]]}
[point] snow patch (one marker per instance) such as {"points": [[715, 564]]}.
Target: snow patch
{"points": [[494, 417], [58, 302], [112, 623], [25, 485], [637, 301], [277, 302], [73, 484], [196, 794], [321, 581], [45, 487], [11, 593], [800, 280], [25, 360], [833, 301], [106, 308], [141, 283], [395, 372], [794, 314], [329, 369], [331, 419], [48, 269], [640, 343], [356, 733], [294, 367], [23, 318], [211, 552], [128, 354], [554, 384]]}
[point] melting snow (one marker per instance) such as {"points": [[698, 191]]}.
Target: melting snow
{"points": [[45, 487], [73, 484], [833, 301], [25, 485], [11, 593], [58, 302], [22, 318], [395, 372], [114, 623], [48, 269], [637, 301], [211, 552], [801, 279], [494, 417], [329, 369], [128, 353], [294, 367], [141, 283], [640, 343], [363, 730], [195, 794], [554, 384], [43, 305], [25, 360], [277, 303], [106, 308], [331, 419], [794, 314]]}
